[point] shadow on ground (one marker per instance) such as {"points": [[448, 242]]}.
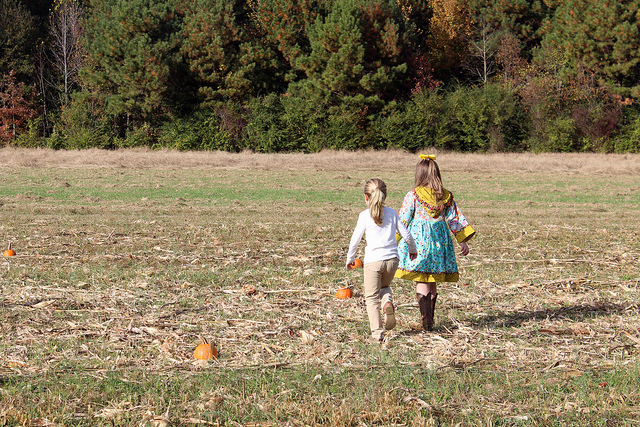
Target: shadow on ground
{"points": [[509, 319]]}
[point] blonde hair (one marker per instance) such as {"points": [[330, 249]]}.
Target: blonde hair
{"points": [[376, 190], [428, 175]]}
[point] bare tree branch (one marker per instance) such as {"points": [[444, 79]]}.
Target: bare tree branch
{"points": [[66, 28], [482, 52]]}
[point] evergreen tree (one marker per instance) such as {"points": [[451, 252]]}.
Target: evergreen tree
{"points": [[603, 37], [228, 52], [132, 55], [525, 19], [420, 57], [17, 39], [357, 51], [285, 23]]}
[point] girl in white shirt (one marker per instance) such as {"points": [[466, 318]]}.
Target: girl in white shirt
{"points": [[380, 224]]}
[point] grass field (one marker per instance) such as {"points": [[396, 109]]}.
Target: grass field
{"points": [[126, 259]]}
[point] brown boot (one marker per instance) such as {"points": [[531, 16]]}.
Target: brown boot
{"points": [[426, 312], [433, 308]]}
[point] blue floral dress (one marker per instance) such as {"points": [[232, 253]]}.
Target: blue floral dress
{"points": [[431, 224]]}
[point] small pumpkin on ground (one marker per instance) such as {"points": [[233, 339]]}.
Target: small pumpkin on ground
{"points": [[9, 251], [205, 351], [344, 293]]}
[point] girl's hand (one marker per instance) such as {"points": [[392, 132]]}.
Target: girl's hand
{"points": [[413, 256], [350, 266], [464, 248]]}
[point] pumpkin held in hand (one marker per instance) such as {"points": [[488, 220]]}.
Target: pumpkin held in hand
{"points": [[205, 351], [344, 293], [9, 252], [356, 264]]}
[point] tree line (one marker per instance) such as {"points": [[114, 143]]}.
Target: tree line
{"points": [[305, 75]]}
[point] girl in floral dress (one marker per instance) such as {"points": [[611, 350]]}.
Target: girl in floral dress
{"points": [[431, 215]]}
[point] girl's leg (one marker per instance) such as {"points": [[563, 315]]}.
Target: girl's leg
{"points": [[424, 288], [386, 298], [372, 279]]}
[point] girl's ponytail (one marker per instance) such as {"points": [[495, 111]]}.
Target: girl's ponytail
{"points": [[376, 190]]}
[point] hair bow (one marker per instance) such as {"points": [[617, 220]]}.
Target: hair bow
{"points": [[427, 156]]}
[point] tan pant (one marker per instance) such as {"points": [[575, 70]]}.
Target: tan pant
{"points": [[377, 278]]}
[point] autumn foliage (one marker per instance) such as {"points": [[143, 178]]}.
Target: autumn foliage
{"points": [[15, 109], [306, 75]]}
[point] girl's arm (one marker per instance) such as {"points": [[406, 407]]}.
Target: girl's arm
{"points": [[408, 209], [356, 237], [408, 238], [406, 212], [459, 226]]}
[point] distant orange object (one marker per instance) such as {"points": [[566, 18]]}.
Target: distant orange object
{"points": [[356, 264], [9, 252], [205, 351], [344, 293]]}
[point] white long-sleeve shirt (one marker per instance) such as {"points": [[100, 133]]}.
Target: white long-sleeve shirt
{"points": [[381, 239]]}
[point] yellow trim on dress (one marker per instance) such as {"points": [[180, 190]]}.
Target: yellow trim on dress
{"points": [[429, 196], [426, 277], [430, 202], [465, 234]]}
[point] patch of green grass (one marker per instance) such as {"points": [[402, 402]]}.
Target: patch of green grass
{"points": [[381, 394]]}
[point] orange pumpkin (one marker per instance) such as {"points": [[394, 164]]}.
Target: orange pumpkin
{"points": [[9, 252], [205, 351], [356, 264], [344, 293]]}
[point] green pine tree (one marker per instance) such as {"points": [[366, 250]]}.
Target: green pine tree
{"points": [[132, 54], [17, 39], [603, 38], [285, 23], [523, 18], [228, 53], [358, 52]]}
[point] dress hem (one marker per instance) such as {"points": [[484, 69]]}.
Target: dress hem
{"points": [[417, 276]]}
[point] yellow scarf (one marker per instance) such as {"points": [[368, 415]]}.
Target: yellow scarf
{"points": [[427, 198]]}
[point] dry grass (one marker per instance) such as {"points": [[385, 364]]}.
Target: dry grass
{"points": [[126, 258], [571, 163]]}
